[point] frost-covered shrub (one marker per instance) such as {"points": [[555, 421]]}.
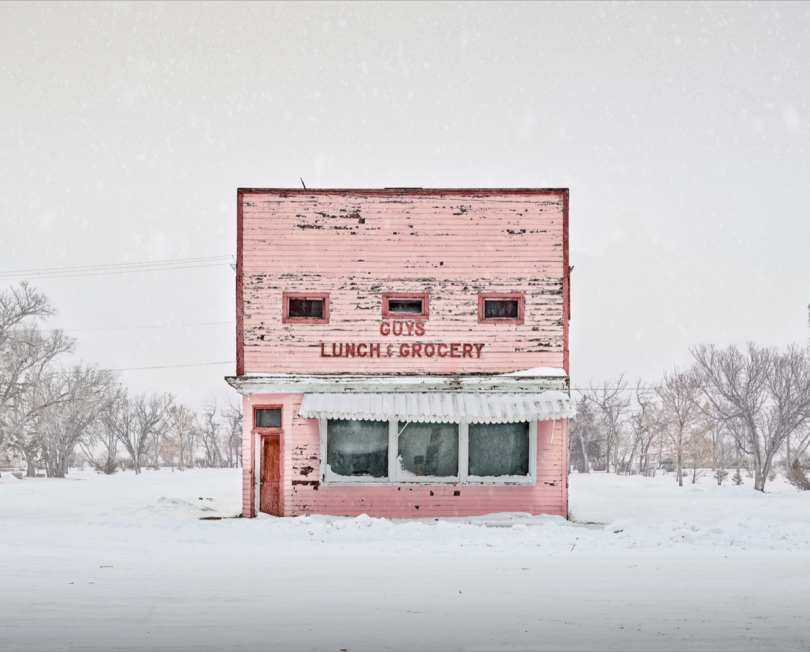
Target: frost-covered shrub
{"points": [[797, 477], [737, 478], [108, 466], [720, 475]]}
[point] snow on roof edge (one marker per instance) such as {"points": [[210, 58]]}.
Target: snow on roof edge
{"points": [[539, 371]]}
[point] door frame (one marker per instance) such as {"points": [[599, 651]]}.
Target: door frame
{"points": [[258, 434]]}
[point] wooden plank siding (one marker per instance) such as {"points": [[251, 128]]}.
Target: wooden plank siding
{"points": [[357, 245], [450, 247], [304, 495]]}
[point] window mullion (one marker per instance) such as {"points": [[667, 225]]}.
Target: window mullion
{"points": [[322, 425], [393, 450], [463, 451]]}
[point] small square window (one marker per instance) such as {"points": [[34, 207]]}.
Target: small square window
{"points": [[306, 308], [268, 417], [403, 306], [500, 308]]}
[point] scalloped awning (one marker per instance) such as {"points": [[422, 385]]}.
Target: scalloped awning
{"points": [[438, 407]]}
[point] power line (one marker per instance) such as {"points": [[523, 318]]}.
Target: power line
{"points": [[588, 389], [175, 366], [123, 328], [87, 267], [121, 268], [109, 273]]}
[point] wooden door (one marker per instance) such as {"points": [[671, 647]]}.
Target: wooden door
{"points": [[270, 496]]}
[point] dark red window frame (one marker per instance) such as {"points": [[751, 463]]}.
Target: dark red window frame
{"points": [[405, 295], [492, 295], [268, 431], [286, 319]]}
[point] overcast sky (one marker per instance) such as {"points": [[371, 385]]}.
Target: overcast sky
{"points": [[681, 130]]}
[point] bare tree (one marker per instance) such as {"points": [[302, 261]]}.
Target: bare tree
{"points": [[642, 425], [63, 425], [138, 421], [584, 434], [26, 354], [232, 436], [209, 435], [181, 436], [761, 397], [20, 304], [103, 437], [680, 418], [612, 402]]}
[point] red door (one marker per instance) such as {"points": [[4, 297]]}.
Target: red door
{"points": [[270, 495]]}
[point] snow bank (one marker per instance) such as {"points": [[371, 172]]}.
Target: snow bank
{"points": [[607, 512], [125, 561]]}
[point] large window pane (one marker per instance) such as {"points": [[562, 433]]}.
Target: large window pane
{"points": [[357, 448], [499, 449], [429, 449]]}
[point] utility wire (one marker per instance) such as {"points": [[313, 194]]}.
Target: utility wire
{"points": [[126, 328], [174, 366], [86, 267], [108, 273], [121, 268], [588, 389]]}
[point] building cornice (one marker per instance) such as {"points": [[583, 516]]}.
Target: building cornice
{"points": [[336, 383]]}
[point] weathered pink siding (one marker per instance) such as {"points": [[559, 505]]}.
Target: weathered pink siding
{"points": [[355, 245], [301, 442]]}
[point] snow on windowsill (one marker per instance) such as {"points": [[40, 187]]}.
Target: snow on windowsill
{"points": [[335, 478], [403, 475], [500, 479], [406, 477]]}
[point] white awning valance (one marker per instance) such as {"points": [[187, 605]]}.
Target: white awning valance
{"points": [[438, 407]]}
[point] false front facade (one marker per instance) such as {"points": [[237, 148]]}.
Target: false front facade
{"points": [[403, 353]]}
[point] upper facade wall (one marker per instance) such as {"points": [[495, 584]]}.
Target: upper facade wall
{"points": [[357, 245]]}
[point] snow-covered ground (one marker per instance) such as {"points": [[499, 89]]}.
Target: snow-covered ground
{"points": [[97, 562]]}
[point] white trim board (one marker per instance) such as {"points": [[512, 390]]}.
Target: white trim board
{"points": [[337, 383]]}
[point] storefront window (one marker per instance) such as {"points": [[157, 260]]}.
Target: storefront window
{"points": [[499, 449], [410, 452], [429, 449], [358, 448]]}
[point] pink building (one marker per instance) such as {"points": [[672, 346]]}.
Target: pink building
{"points": [[403, 352]]}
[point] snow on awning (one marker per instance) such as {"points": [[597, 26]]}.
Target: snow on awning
{"points": [[438, 408]]}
